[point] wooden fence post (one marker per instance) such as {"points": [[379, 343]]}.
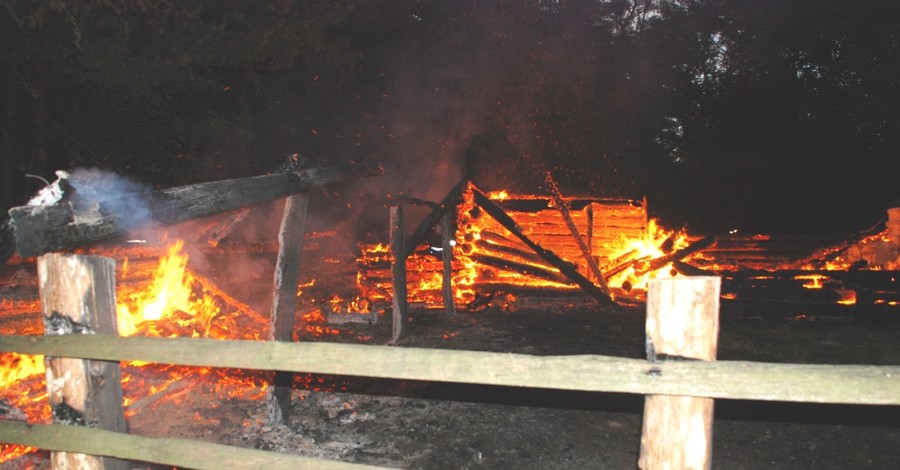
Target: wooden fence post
{"points": [[78, 296], [447, 242], [682, 324], [398, 271], [284, 299]]}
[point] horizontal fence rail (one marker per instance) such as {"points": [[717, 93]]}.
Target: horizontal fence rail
{"points": [[838, 384], [178, 452]]}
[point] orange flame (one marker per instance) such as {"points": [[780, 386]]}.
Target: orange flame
{"points": [[170, 292]]}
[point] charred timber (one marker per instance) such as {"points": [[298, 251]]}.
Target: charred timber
{"points": [[585, 251], [450, 200], [42, 228], [564, 267], [662, 261]]}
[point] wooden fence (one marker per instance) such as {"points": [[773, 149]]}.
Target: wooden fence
{"points": [[665, 374]]}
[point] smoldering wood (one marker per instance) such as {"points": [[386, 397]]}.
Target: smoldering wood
{"points": [[78, 296], [416, 201], [564, 267], [450, 200], [39, 229], [281, 325], [227, 225]]}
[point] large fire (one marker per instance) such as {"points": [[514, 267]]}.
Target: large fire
{"points": [[176, 303], [488, 258]]}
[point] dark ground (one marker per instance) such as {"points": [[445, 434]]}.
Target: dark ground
{"points": [[434, 426]]}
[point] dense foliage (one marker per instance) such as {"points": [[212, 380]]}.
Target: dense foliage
{"points": [[764, 115]]}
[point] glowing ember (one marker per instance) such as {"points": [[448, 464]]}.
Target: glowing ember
{"points": [[814, 281]]}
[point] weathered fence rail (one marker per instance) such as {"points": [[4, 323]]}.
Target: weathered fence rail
{"points": [[739, 380]]}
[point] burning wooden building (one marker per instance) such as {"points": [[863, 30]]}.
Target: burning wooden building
{"points": [[518, 243]]}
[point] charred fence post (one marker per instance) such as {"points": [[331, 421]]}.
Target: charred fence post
{"points": [[284, 298], [398, 273], [447, 239], [78, 296], [682, 324]]}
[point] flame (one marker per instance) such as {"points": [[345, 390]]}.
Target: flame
{"points": [[487, 257], [171, 293], [640, 251], [15, 367], [814, 281]]}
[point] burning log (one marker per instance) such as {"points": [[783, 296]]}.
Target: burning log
{"points": [[659, 263], [78, 221], [564, 267], [585, 251], [523, 268]]}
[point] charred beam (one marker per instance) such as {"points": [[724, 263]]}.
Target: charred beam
{"points": [[41, 228], [564, 210], [434, 217], [564, 267], [678, 255]]}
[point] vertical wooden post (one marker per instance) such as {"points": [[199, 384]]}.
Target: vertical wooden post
{"points": [[447, 241], [78, 296], [682, 324], [284, 298], [398, 273]]}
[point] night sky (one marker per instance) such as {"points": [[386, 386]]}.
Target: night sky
{"points": [[764, 116]]}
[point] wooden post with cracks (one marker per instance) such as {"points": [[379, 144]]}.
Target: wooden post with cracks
{"points": [[682, 325], [78, 296], [398, 273], [284, 297]]}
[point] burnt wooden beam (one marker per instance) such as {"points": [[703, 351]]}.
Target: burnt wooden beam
{"points": [[434, 217], [564, 267], [448, 225], [41, 228], [678, 255], [281, 326], [585, 251], [224, 228], [416, 201], [399, 305], [523, 268]]}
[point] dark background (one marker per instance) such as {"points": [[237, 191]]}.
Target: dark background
{"points": [[766, 116]]}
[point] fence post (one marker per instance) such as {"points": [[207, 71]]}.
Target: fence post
{"points": [[78, 296], [448, 236], [398, 273], [284, 299], [682, 324]]}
